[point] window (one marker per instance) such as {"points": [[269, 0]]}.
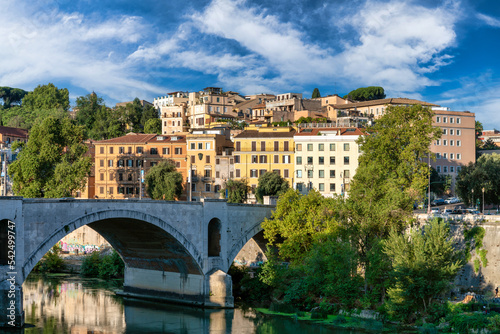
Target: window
{"points": [[208, 173], [285, 173], [193, 159], [332, 147], [321, 173], [101, 150], [208, 187], [458, 132], [193, 186], [445, 169], [451, 156], [166, 150], [120, 177], [445, 131], [332, 187], [193, 146], [262, 145], [346, 147], [321, 147], [217, 175], [299, 147], [458, 120], [101, 190], [129, 151], [101, 163], [254, 159], [299, 173], [238, 146], [200, 146], [321, 187], [254, 146], [231, 175], [276, 159], [139, 150], [459, 143], [332, 173], [445, 142], [309, 147], [153, 163], [347, 174], [238, 173], [121, 150], [102, 176], [445, 155], [451, 142], [445, 120], [276, 146], [129, 177], [458, 169], [438, 142], [299, 160], [253, 173], [286, 147], [309, 160], [286, 159], [451, 132], [207, 159], [438, 169], [111, 150], [130, 163], [207, 146], [263, 159], [332, 160], [139, 163], [452, 169], [346, 160], [236, 159], [299, 187], [121, 190], [438, 155], [321, 160], [178, 150], [217, 161], [110, 189], [153, 151], [310, 173], [438, 119], [451, 119], [121, 163], [458, 157]]}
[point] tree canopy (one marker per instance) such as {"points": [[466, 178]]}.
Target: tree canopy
{"points": [[46, 97], [52, 163], [316, 93], [11, 96], [163, 181], [270, 184], [366, 93], [237, 191]]}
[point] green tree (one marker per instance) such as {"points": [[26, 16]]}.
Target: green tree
{"points": [[47, 97], [316, 93], [424, 265], [52, 163], [392, 175], [163, 181], [237, 191], [153, 125], [109, 123], [149, 112], [133, 112], [479, 132], [270, 184], [485, 173], [87, 108], [11, 96], [489, 144], [366, 93]]}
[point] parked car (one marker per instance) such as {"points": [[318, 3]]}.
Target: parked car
{"points": [[447, 211], [437, 201], [435, 211], [452, 200], [472, 211]]}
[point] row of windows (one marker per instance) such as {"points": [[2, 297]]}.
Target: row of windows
{"points": [[451, 168], [121, 190], [321, 147], [451, 132], [130, 163], [321, 187], [276, 146], [451, 156], [445, 119], [200, 146], [140, 150], [321, 160], [451, 142], [321, 173]]}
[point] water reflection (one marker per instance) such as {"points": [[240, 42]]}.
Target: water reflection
{"points": [[70, 304]]}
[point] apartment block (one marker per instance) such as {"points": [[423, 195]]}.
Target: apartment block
{"points": [[261, 149], [326, 159], [120, 162]]}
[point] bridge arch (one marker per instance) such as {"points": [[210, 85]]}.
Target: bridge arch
{"points": [[246, 236], [158, 253]]}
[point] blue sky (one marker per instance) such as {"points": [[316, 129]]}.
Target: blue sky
{"points": [[444, 52]]}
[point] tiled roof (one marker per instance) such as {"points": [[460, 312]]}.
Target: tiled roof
{"points": [[343, 131], [398, 100], [130, 138], [264, 134], [17, 132]]}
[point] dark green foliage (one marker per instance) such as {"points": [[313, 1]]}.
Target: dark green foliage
{"points": [[52, 163], [479, 132], [366, 93], [270, 184], [153, 125], [440, 184], [103, 266], [246, 288], [237, 191], [163, 181], [303, 119], [46, 97], [485, 173], [149, 113], [11, 96], [316, 93], [466, 323], [489, 144], [51, 262]]}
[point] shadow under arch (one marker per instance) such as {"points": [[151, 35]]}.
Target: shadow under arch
{"points": [[142, 240], [256, 232]]}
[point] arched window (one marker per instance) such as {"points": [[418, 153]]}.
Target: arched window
{"points": [[214, 237]]}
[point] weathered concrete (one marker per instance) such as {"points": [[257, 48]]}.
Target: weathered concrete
{"points": [[164, 244]]}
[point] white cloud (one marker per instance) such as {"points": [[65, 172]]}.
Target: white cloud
{"points": [[47, 46], [491, 21]]}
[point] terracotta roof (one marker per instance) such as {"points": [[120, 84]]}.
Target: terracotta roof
{"points": [[130, 138], [265, 134], [398, 100], [17, 132], [343, 131]]}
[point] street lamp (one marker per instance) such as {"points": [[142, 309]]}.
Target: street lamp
{"points": [[483, 199], [429, 193]]}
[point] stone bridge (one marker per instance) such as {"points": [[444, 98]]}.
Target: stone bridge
{"points": [[175, 251]]}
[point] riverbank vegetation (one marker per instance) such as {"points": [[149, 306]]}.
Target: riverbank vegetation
{"points": [[51, 262], [102, 265]]}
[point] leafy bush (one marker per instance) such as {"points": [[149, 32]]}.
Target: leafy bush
{"points": [[102, 266], [51, 262], [465, 323], [90, 265]]}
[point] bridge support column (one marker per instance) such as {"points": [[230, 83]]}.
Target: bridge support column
{"points": [[220, 290], [11, 302]]}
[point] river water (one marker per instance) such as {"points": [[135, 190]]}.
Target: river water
{"points": [[71, 304]]}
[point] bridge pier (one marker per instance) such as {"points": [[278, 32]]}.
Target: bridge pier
{"points": [[213, 291], [11, 303]]}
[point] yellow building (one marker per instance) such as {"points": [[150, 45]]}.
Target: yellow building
{"points": [[326, 159], [204, 146], [262, 149], [120, 161]]}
